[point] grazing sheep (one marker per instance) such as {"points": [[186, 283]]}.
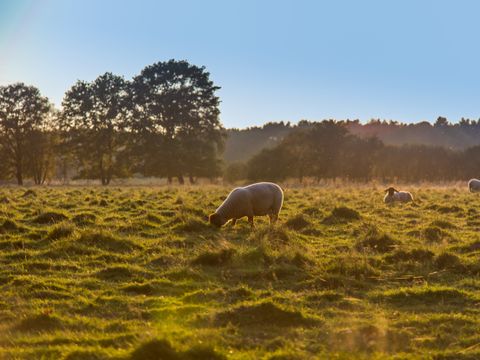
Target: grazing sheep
{"points": [[474, 185], [394, 195], [253, 200]]}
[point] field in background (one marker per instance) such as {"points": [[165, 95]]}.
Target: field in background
{"points": [[136, 273]]}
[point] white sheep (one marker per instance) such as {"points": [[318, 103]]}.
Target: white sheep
{"points": [[394, 195], [253, 200], [474, 185]]}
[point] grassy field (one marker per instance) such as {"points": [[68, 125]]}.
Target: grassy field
{"points": [[136, 273]]}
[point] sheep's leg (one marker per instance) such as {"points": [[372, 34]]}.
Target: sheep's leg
{"points": [[233, 222], [250, 220], [273, 218]]}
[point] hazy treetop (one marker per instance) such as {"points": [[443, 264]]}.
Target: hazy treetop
{"points": [[275, 60]]}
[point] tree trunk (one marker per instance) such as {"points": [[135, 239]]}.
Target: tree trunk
{"points": [[192, 179], [169, 180], [19, 176], [181, 180]]}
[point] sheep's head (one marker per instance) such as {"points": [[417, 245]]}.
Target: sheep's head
{"points": [[216, 220], [391, 190]]}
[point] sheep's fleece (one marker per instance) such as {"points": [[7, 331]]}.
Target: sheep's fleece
{"points": [[258, 199], [394, 195], [474, 185]]}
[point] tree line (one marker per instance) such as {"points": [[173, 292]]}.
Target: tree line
{"points": [[328, 150], [164, 122], [242, 144]]}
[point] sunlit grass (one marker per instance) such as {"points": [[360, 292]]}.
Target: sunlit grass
{"points": [[137, 273]]}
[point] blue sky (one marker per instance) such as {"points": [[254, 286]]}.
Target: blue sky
{"points": [[409, 60]]}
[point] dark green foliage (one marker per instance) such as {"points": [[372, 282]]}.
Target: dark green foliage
{"points": [[176, 121], [433, 234], [376, 241], [427, 296], [162, 350], [49, 217], [106, 241], [214, 258], [84, 219], [203, 353], [93, 115], [298, 222], [420, 255], [449, 209], [342, 214], [116, 273], [28, 193], [263, 314], [143, 289], [23, 113], [155, 350], [40, 322], [193, 225], [448, 261], [443, 224], [86, 355], [8, 225], [60, 231]]}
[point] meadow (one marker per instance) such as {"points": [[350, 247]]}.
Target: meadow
{"points": [[137, 273]]}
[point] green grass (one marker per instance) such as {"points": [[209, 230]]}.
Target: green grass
{"points": [[137, 273]]}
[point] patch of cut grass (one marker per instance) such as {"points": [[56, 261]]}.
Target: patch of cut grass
{"points": [[214, 258], [263, 314], [342, 214], [60, 231], [118, 273], [84, 219], [376, 241], [163, 350], [419, 255], [106, 241], [297, 222], [39, 323], [49, 217], [427, 295]]}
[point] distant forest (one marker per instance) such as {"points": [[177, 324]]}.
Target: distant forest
{"points": [[165, 123], [388, 151], [242, 144]]}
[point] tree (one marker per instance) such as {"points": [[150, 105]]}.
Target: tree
{"points": [[175, 114], [441, 121], [23, 113], [41, 156], [93, 121], [235, 171]]}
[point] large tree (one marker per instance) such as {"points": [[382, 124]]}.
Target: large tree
{"points": [[176, 119], [23, 113], [92, 123]]}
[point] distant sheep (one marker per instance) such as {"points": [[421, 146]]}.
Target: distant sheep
{"points": [[393, 195], [253, 200], [474, 185]]}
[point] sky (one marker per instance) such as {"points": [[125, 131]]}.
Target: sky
{"points": [[275, 60]]}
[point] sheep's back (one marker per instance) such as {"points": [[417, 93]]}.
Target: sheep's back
{"points": [[265, 197]]}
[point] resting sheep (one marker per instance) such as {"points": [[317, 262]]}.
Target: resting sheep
{"points": [[394, 195], [474, 185], [253, 200]]}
